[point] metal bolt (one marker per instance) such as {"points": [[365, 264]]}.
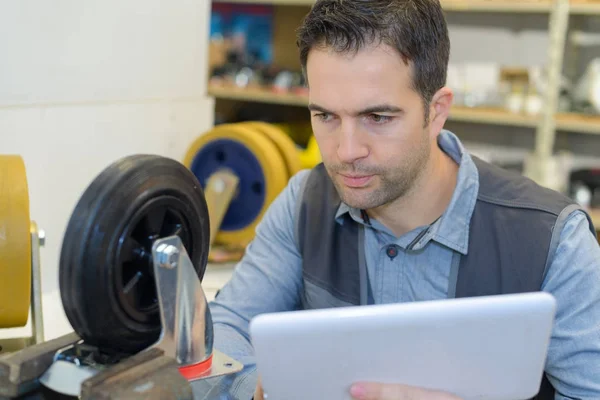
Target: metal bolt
{"points": [[169, 255], [219, 185], [41, 237]]}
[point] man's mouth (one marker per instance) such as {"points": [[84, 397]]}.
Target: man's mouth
{"points": [[356, 181]]}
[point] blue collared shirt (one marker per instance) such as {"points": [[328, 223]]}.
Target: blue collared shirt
{"points": [[413, 267]]}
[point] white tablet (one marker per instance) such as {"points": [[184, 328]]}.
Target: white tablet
{"points": [[484, 348]]}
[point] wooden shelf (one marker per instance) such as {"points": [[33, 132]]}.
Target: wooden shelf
{"points": [[512, 6], [578, 7], [571, 122], [461, 114], [567, 122], [270, 2], [495, 116], [257, 96], [585, 7], [578, 123]]}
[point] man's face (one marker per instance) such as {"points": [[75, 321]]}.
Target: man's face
{"points": [[369, 124]]}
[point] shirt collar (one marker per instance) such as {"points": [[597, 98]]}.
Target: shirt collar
{"points": [[452, 228]]}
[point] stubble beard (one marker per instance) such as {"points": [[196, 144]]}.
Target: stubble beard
{"points": [[393, 183]]}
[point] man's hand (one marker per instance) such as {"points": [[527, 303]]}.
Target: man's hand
{"points": [[382, 391]]}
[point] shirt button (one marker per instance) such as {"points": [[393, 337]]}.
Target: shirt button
{"points": [[391, 251]]}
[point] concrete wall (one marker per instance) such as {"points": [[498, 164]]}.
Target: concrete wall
{"points": [[84, 82]]}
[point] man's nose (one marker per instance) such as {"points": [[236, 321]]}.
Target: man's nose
{"points": [[351, 146]]}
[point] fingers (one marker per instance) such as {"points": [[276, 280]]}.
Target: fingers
{"points": [[382, 391], [258, 392]]}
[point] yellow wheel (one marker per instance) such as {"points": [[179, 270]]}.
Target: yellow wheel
{"points": [[258, 164], [310, 157], [284, 143], [15, 243], [299, 132]]}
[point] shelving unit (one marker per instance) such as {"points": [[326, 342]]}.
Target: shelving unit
{"points": [[578, 123], [585, 8], [288, 14]]}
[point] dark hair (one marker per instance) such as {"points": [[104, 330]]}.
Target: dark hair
{"points": [[415, 28]]}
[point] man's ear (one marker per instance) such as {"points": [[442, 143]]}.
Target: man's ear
{"points": [[439, 109]]}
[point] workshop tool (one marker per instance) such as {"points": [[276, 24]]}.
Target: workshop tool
{"points": [[20, 241], [586, 92], [584, 188], [242, 168], [131, 265]]}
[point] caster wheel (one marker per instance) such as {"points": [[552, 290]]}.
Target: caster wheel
{"points": [[106, 271], [15, 243], [282, 141], [257, 162]]}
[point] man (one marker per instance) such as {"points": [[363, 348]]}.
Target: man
{"points": [[399, 211]]}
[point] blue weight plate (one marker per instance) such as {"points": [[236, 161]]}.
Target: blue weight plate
{"points": [[250, 196]]}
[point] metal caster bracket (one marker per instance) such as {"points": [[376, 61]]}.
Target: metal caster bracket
{"points": [[187, 333], [219, 192], [10, 345]]}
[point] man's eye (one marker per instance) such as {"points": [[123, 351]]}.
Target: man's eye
{"points": [[323, 116], [380, 119]]}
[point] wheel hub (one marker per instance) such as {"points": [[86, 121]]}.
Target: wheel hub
{"points": [[134, 272]]}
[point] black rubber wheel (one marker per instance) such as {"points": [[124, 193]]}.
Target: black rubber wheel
{"points": [[106, 273]]}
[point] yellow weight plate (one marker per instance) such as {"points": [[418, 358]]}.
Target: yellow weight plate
{"points": [[269, 159], [15, 243], [310, 157], [284, 143]]}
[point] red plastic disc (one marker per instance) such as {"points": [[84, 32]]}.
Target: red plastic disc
{"points": [[196, 370]]}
